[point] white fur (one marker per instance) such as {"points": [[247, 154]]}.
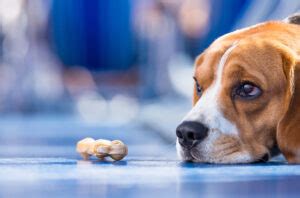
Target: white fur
{"points": [[207, 109]]}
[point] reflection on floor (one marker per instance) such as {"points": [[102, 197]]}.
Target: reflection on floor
{"points": [[38, 160]]}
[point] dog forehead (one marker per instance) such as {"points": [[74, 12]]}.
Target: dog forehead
{"points": [[208, 63], [256, 60], [249, 41]]}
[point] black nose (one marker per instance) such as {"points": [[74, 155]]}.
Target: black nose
{"points": [[191, 133]]}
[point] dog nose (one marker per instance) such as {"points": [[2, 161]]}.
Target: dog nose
{"points": [[190, 133]]}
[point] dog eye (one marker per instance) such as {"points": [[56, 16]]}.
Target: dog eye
{"points": [[198, 87], [248, 90]]}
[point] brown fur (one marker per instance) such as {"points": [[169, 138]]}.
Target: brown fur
{"points": [[266, 54]]}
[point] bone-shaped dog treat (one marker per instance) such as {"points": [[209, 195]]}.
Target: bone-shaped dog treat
{"points": [[101, 148]]}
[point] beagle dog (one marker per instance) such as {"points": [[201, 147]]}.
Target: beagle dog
{"points": [[246, 104]]}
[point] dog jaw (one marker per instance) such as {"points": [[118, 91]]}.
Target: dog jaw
{"points": [[217, 148]]}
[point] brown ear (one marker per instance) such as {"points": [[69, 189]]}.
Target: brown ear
{"points": [[288, 129]]}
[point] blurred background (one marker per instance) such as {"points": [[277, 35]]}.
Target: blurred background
{"points": [[120, 63]]}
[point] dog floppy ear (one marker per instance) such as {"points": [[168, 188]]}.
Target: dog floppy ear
{"points": [[288, 129]]}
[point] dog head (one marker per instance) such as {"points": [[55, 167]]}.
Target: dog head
{"points": [[245, 98]]}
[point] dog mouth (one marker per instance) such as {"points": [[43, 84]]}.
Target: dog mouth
{"points": [[196, 156], [225, 157], [220, 150], [192, 154]]}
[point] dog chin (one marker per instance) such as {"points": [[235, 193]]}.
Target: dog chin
{"points": [[204, 154]]}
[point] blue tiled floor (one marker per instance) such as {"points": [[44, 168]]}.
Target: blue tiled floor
{"points": [[38, 159]]}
